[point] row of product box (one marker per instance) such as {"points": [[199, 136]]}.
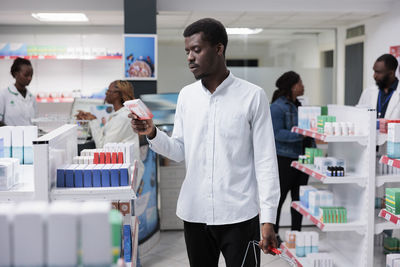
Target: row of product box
{"points": [[330, 166], [94, 175], [303, 242], [9, 172], [313, 199], [111, 153], [60, 234], [333, 214], [307, 116], [16, 142]]}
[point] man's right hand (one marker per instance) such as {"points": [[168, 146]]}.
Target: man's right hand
{"points": [[143, 127]]}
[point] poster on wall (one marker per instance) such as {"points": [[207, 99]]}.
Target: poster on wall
{"points": [[146, 208], [395, 51], [140, 56]]}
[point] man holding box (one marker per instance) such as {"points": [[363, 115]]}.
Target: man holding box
{"points": [[223, 131]]}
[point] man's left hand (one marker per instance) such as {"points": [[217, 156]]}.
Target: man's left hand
{"points": [[268, 240]]}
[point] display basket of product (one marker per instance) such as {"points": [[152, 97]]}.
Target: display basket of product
{"points": [[255, 245]]}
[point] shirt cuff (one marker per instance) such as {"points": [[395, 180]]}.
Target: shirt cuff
{"points": [[155, 140], [268, 215]]}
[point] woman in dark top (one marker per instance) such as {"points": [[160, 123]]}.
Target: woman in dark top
{"points": [[289, 145]]}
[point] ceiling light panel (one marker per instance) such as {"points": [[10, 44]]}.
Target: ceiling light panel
{"points": [[61, 17]]}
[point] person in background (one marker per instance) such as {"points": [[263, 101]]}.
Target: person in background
{"points": [[17, 104], [289, 145], [117, 129], [385, 95], [223, 131]]}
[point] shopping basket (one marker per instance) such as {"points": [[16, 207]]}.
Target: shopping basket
{"points": [[276, 251]]}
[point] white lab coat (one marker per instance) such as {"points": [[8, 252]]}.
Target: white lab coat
{"points": [[369, 98], [16, 110], [117, 130]]}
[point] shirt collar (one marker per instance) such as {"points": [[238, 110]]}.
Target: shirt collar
{"points": [[225, 84], [13, 90]]}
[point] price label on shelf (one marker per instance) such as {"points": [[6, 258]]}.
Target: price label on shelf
{"points": [[313, 135], [319, 224], [303, 169], [313, 174], [390, 162], [387, 216]]}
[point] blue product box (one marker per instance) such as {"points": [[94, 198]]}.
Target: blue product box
{"points": [[79, 175], [87, 176], [127, 243], [105, 177], [97, 175], [124, 174], [70, 175], [114, 173], [61, 177]]}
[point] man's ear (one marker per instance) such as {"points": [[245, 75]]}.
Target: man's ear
{"points": [[220, 49]]}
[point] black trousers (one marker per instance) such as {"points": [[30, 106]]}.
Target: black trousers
{"points": [[205, 242], [290, 179]]}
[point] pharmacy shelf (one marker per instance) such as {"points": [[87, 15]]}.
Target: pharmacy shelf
{"points": [[328, 227], [390, 217], [348, 179], [382, 179], [24, 189], [330, 138], [64, 57], [389, 161], [93, 193], [291, 253]]}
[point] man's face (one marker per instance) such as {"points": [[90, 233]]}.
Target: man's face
{"points": [[382, 75], [201, 56]]}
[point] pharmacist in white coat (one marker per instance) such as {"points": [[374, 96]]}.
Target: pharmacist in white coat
{"points": [[17, 104], [384, 96]]}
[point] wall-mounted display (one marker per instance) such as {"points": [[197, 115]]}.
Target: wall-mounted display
{"points": [[140, 56]]}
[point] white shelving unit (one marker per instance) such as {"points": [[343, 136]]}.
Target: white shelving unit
{"points": [[352, 243]]}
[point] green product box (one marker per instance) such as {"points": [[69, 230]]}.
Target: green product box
{"points": [[321, 123], [324, 110], [391, 243], [331, 119], [309, 155], [393, 200], [115, 218]]}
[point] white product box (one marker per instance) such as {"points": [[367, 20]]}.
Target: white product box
{"points": [[96, 233], [30, 134], [391, 258], [393, 132], [62, 234], [6, 134], [17, 142], [7, 179], [16, 170], [326, 198], [28, 244], [129, 153], [137, 107], [6, 211]]}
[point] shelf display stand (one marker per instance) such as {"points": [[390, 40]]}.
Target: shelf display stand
{"points": [[351, 243]]}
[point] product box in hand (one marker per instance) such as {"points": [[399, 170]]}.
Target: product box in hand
{"points": [[393, 200], [137, 107]]}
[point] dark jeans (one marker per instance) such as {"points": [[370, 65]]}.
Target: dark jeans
{"points": [[290, 179], [205, 242]]}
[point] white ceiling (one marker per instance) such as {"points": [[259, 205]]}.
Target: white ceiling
{"points": [[278, 18]]}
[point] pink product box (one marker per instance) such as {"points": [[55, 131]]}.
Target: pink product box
{"points": [[139, 108]]}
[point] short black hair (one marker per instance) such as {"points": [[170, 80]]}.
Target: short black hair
{"points": [[213, 31], [389, 60], [18, 62]]}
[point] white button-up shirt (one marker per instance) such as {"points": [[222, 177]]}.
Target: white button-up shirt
{"points": [[16, 110], [227, 141]]}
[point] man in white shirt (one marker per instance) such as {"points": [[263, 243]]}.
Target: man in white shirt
{"points": [[223, 131], [385, 95]]}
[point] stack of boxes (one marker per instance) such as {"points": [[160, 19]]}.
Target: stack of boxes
{"points": [[393, 140], [109, 167], [312, 153], [322, 120], [392, 196], [17, 142], [308, 117], [59, 234]]}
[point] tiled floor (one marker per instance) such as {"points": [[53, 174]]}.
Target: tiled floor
{"points": [[171, 251]]}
